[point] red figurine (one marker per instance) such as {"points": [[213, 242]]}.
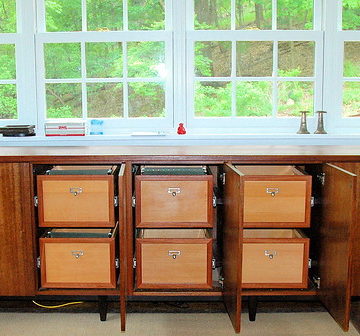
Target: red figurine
{"points": [[181, 129]]}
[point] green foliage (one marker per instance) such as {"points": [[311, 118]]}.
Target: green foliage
{"points": [[351, 14], [213, 99], [253, 99], [8, 104], [351, 100], [7, 16]]}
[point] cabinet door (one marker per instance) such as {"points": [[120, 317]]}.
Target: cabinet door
{"points": [[232, 240], [124, 179], [338, 215], [17, 258]]}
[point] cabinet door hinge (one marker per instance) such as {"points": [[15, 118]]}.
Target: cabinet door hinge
{"points": [[309, 263], [321, 178], [214, 201], [117, 263], [38, 262], [221, 281], [116, 201], [213, 263], [316, 281], [223, 178], [312, 201], [134, 262], [36, 201], [133, 201]]}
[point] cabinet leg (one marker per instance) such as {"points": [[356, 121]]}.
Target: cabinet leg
{"points": [[122, 312], [252, 306], [103, 306]]}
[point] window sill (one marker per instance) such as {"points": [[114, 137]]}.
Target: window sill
{"points": [[184, 140]]}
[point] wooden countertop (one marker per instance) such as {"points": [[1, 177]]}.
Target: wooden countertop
{"points": [[186, 154]]}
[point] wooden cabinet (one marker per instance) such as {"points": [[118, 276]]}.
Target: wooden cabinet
{"points": [[17, 246], [259, 198]]}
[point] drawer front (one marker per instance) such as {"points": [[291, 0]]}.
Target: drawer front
{"points": [[174, 265], [285, 202], [275, 265], [77, 264], [172, 203], [75, 202]]}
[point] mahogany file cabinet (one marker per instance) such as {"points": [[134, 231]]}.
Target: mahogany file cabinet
{"points": [[333, 232]]}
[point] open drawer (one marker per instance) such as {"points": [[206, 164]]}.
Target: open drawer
{"points": [[174, 258], [275, 258], [78, 258], [174, 196], [74, 196], [275, 196]]}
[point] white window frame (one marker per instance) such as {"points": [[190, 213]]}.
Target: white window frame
{"points": [[179, 36], [334, 65], [111, 125], [25, 80], [270, 124]]}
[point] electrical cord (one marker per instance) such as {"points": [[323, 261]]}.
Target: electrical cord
{"points": [[58, 306]]}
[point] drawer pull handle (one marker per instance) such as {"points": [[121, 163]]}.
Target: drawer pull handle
{"points": [[76, 191], [174, 254], [174, 191], [272, 191], [77, 254], [270, 254]]}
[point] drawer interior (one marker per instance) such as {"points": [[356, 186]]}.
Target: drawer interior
{"points": [[174, 170], [81, 170], [81, 233], [174, 233], [269, 170], [273, 233]]}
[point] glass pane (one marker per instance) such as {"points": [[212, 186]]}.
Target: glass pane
{"points": [[63, 100], [296, 58], [352, 59], [7, 61], [295, 97], [62, 60], [213, 99], [63, 15], [213, 59], [105, 100], [146, 59], [297, 15], [253, 99], [146, 100], [104, 15], [8, 104], [146, 14], [212, 14], [351, 15], [7, 16], [254, 59], [351, 99], [104, 60], [253, 14]]}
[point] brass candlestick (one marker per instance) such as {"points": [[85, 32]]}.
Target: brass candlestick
{"points": [[303, 127], [320, 127]]}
